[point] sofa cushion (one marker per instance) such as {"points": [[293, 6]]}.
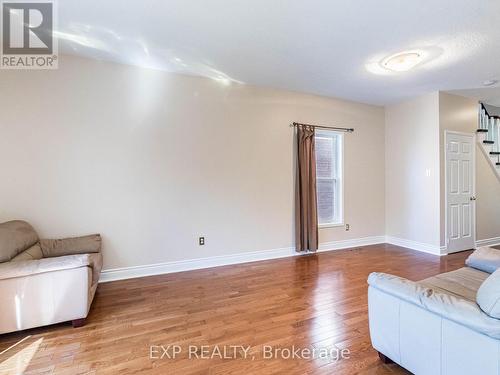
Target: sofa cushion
{"points": [[9, 270], [485, 258], [15, 237], [488, 295], [95, 262], [33, 253], [73, 245], [463, 283]]}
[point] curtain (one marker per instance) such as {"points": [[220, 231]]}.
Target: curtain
{"points": [[306, 218]]}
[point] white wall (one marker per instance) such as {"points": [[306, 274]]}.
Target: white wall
{"points": [[153, 160], [415, 178], [461, 114], [412, 170]]}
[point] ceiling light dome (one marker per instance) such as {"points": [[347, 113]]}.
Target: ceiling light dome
{"points": [[403, 61]]}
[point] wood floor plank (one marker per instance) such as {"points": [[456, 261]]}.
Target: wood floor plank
{"points": [[316, 301]]}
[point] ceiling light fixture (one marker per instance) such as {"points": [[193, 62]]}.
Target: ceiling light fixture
{"points": [[403, 61], [490, 82]]}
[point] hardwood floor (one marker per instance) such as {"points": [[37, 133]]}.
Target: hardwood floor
{"points": [[314, 301]]}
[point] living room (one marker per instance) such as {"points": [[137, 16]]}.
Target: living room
{"points": [[250, 187]]}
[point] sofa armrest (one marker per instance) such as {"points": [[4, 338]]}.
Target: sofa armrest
{"points": [[448, 306], [396, 286], [9, 270], [70, 246]]}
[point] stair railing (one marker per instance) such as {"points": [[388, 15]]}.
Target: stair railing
{"points": [[489, 125], [496, 136]]}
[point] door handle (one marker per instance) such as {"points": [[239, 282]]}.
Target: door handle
{"points": [[473, 198]]}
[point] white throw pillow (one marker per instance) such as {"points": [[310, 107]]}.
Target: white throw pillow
{"points": [[488, 295]]}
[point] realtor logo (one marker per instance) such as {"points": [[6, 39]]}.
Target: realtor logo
{"points": [[27, 36]]}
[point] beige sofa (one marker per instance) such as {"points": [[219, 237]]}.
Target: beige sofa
{"points": [[44, 282]]}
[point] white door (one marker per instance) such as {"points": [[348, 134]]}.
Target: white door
{"points": [[460, 190]]}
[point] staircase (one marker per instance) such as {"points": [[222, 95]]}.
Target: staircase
{"points": [[489, 137]]}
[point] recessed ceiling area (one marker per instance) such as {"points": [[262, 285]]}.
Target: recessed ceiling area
{"points": [[320, 46]]}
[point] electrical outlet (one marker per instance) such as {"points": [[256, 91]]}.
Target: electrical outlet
{"points": [[201, 241], [347, 227]]}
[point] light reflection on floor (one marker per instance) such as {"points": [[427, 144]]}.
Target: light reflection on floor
{"points": [[16, 358]]}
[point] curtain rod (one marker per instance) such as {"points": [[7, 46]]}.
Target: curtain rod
{"points": [[349, 130]]}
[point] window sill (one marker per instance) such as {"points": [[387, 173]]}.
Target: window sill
{"points": [[333, 225]]}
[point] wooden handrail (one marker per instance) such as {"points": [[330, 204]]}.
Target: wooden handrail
{"points": [[487, 113]]}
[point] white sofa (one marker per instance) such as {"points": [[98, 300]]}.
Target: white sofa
{"points": [[436, 326], [44, 282]]}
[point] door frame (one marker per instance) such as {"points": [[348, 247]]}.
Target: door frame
{"points": [[473, 136]]}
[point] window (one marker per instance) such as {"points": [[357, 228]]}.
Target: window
{"points": [[329, 182]]}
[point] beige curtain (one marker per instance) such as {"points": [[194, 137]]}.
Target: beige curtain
{"points": [[306, 219]]}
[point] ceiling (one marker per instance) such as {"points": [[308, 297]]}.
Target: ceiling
{"points": [[323, 47]]}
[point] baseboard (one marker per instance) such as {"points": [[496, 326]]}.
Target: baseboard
{"points": [[192, 264], [224, 260], [414, 245], [345, 244], [488, 242]]}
